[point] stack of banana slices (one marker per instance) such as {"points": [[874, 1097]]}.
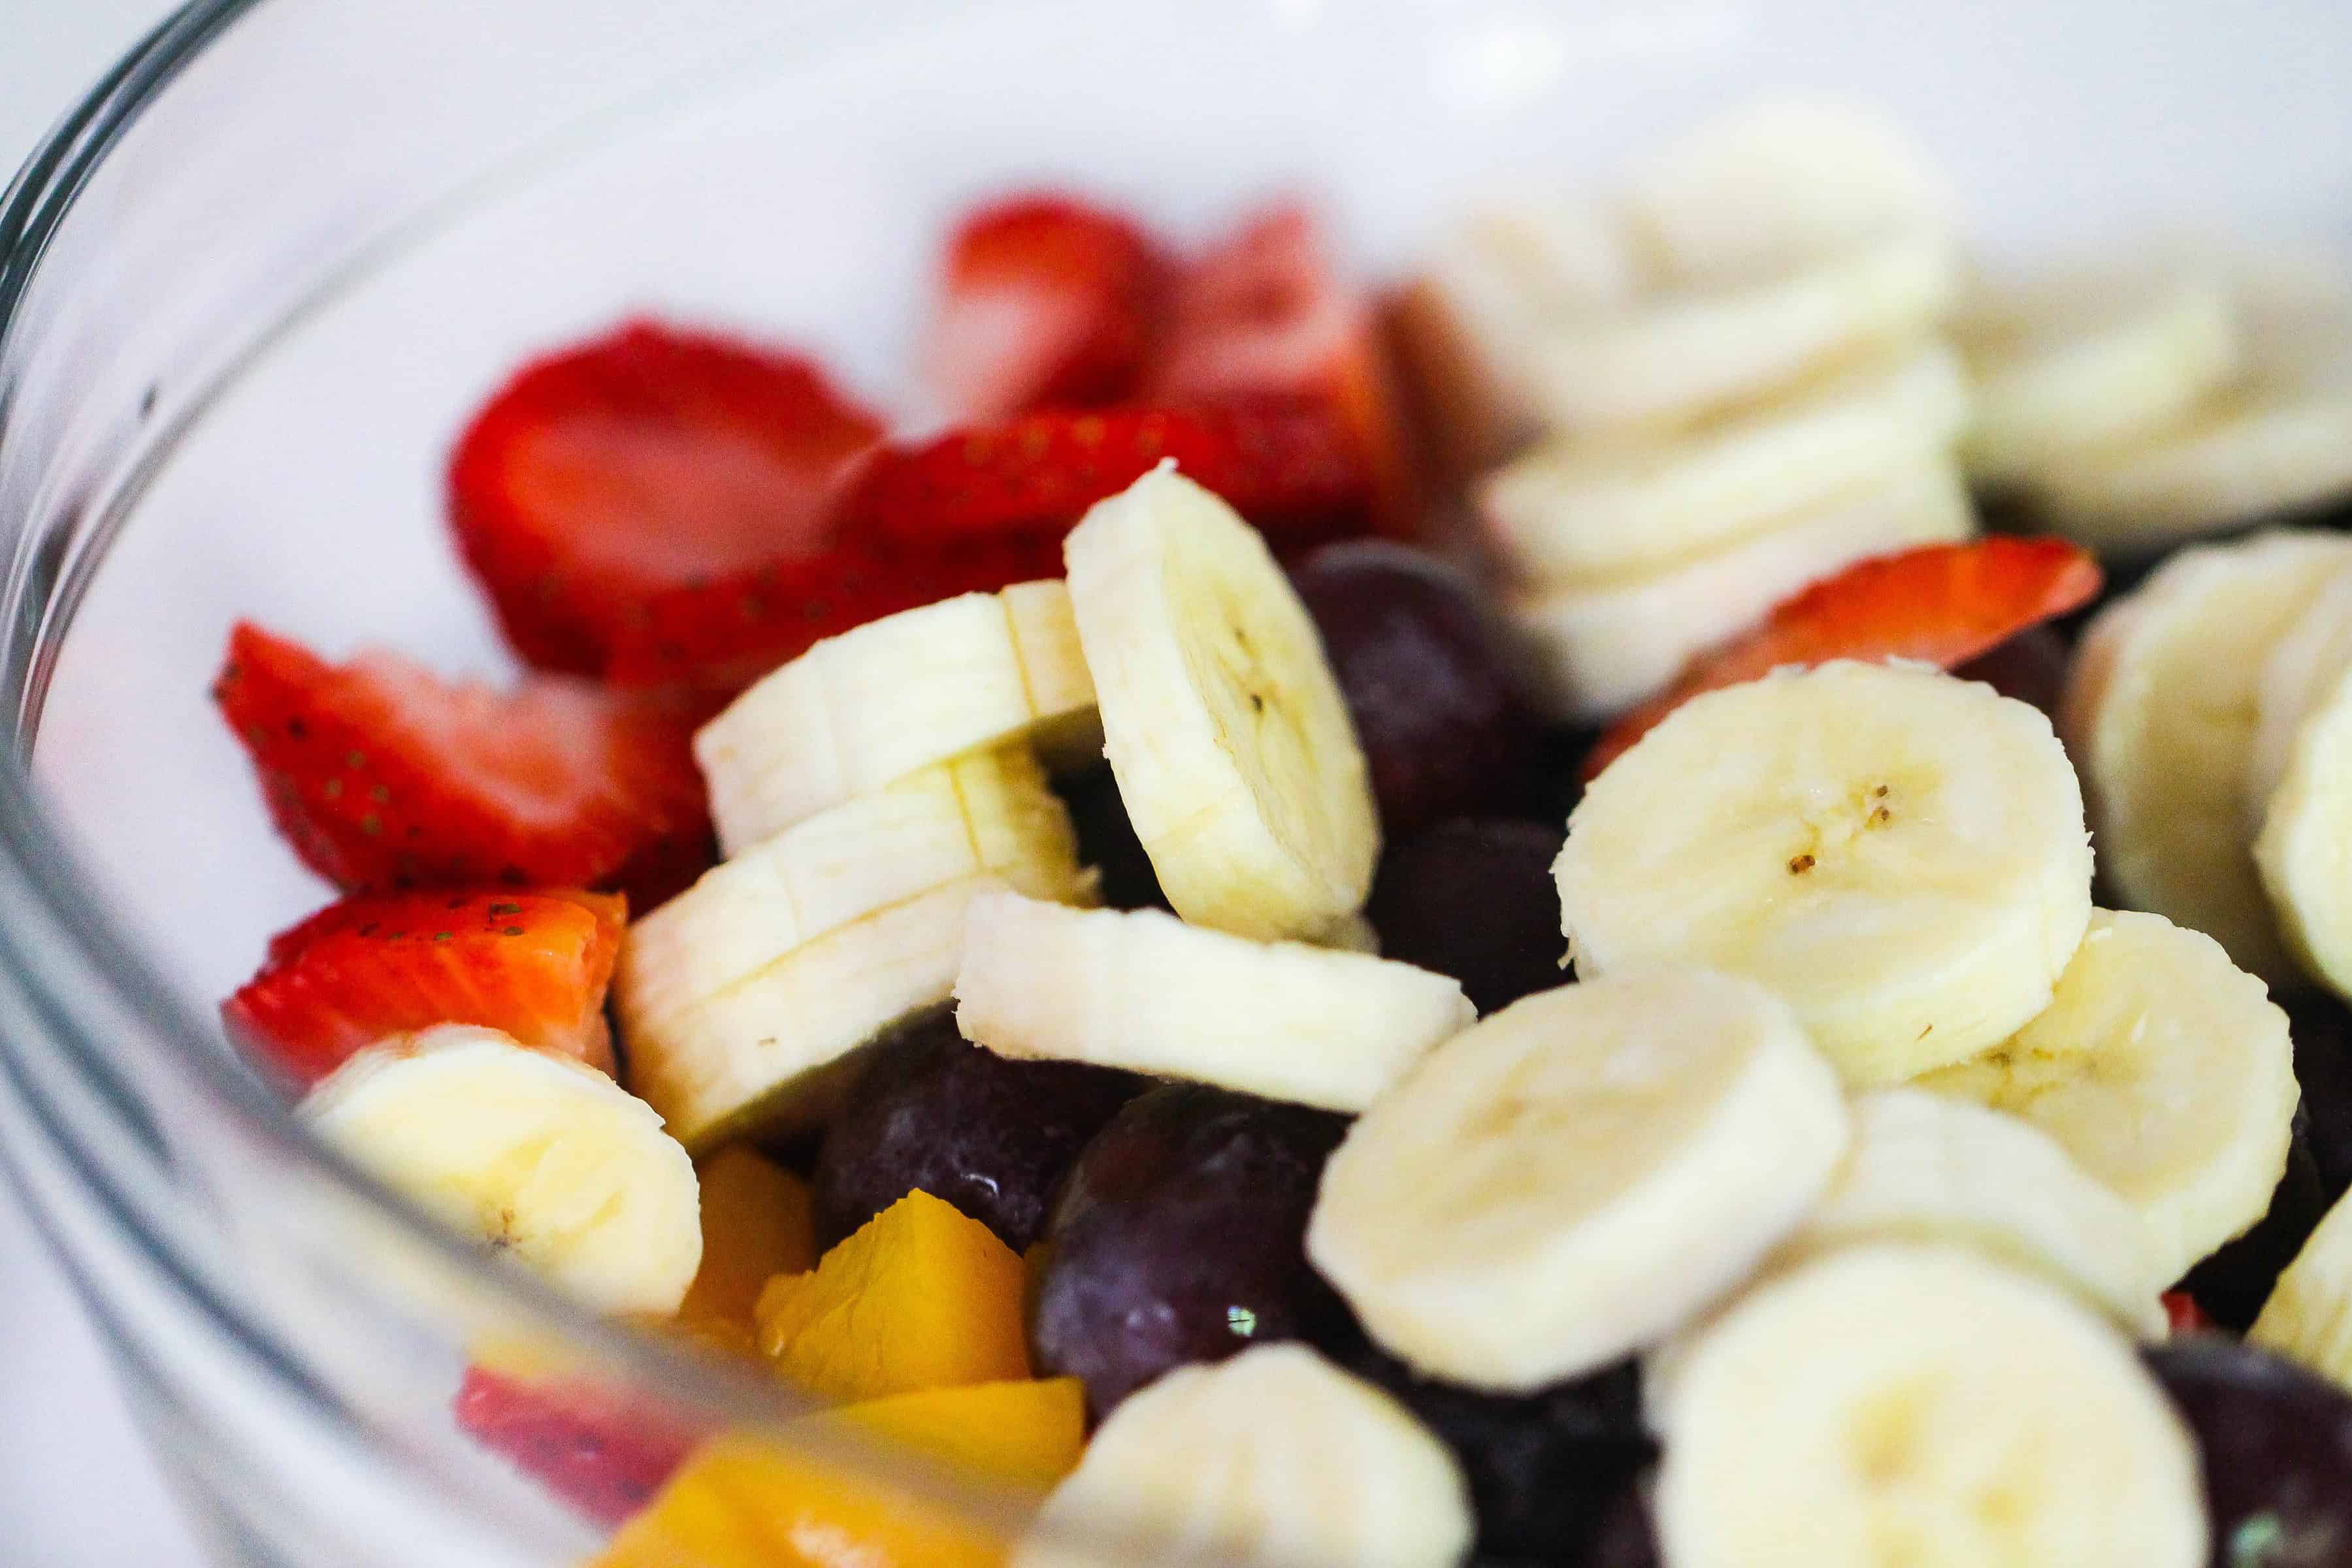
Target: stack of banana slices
{"points": [[2133, 409], [1733, 377]]}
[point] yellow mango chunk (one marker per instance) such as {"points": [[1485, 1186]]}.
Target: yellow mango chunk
{"points": [[750, 1502], [757, 1222], [920, 1298]]}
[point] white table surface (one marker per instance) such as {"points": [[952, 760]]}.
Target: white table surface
{"points": [[77, 1487]]}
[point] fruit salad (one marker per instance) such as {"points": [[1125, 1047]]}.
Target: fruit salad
{"points": [[1624, 906]]}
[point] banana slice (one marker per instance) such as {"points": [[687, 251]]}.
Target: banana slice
{"points": [[2159, 712], [1896, 1405], [1142, 991], [1224, 726], [1899, 853], [2308, 1317], [2085, 360], [1273, 1459], [545, 1160], [2305, 851], [1924, 1167], [1582, 513], [865, 708], [2164, 1070], [1577, 1175], [990, 812], [1599, 650], [1681, 352], [772, 1052], [2296, 682]]}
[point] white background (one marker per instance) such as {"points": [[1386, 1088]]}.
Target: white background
{"points": [[76, 1488]]}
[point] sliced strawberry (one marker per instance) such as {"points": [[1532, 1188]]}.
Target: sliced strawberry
{"points": [[604, 1455], [2182, 1315], [1264, 314], [644, 460], [382, 775], [1045, 301], [534, 965], [1940, 604]]}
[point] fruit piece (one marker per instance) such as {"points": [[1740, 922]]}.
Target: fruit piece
{"points": [[2080, 360], [1571, 1180], [2277, 1450], [2182, 1315], [798, 1500], [2306, 1318], [1106, 841], [756, 1223], [1286, 466], [932, 1114], [1141, 990], [2229, 1285], [774, 1053], [1939, 604], [1544, 1470], [921, 1296], [1473, 898], [1176, 1239], [865, 708], [1272, 1458], [987, 812], [1581, 513], [1603, 649], [1428, 680], [381, 774], [2029, 668], [2300, 673], [1045, 299], [2160, 715], [544, 1160], [1923, 1167], [2164, 1071], [1899, 853], [2301, 848], [1263, 314], [1897, 1404], [642, 460], [603, 1453], [532, 965], [1222, 721]]}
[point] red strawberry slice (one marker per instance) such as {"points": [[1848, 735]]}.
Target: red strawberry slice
{"points": [[1045, 301], [382, 775], [604, 1455], [1264, 314], [2182, 1315], [1941, 604], [532, 964], [642, 460]]}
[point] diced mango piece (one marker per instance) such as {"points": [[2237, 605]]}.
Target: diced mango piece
{"points": [[749, 1502], [757, 1222], [920, 1298]]}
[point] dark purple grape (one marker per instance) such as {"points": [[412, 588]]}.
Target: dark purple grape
{"points": [[1106, 841], [2322, 1028], [932, 1112], [2233, 1284], [1473, 898], [1429, 679], [2277, 1448], [1180, 1237], [1547, 1471], [2030, 667]]}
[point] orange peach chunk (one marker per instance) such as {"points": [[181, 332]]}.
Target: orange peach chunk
{"points": [[757, 1222]]}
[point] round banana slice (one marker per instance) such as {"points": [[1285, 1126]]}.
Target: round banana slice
{"points": [[2083, 360], [1924, 1167], [1234, 749], [989, 812], [2297, 679], [2304, 850], [1145, 992], [1589, 514], [2164, 1070], [1908, 1405], [1273, 1459], [1899, 853], [2308, 1318], [1578, 1175], [2160, 712], [546, 1161], [1600, 650], [865, 708]]}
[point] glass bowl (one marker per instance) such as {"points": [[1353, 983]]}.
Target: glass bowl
{"points": [[250, 287]]}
